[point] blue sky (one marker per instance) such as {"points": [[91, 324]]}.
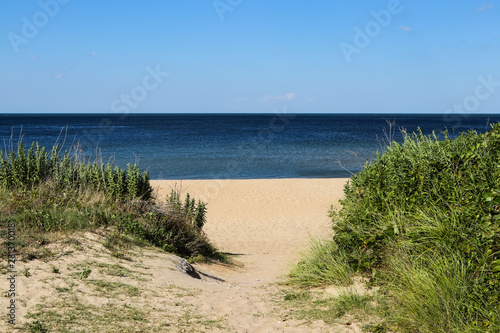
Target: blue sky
{"points": [[242, 56]]}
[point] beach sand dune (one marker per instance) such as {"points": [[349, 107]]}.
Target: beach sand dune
{"points": [[264, 224]]}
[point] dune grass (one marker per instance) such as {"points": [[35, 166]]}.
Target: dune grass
{"points": [[49, 195], [423, 223], [324, 264]]}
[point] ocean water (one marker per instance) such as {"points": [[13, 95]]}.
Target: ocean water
{"points": [[175, 146]]}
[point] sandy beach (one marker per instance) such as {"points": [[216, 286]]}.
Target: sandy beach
{"points": [[266, 222], [263, 224]]}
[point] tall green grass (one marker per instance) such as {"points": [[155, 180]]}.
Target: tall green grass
{"points": [[46, 194], [423, 221], [26, 169], [324, 264]]}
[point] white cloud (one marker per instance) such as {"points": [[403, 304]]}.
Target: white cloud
{"points": [[484, 6], [405, 28], [286, 97], [58, 76]]}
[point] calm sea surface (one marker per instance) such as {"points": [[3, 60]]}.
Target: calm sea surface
{"points": [[174, 146]]}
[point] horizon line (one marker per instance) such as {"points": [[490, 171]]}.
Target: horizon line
{"points": [[236, 114]]}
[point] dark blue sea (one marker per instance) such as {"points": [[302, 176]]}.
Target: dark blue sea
{"points": [[197, 146]]}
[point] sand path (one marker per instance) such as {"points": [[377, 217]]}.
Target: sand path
{"points": [[266, 224]]}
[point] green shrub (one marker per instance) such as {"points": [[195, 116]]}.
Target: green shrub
{"points": [[423, 221], [178, 228]]}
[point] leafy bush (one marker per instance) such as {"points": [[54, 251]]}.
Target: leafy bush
{"points": [[423, 221], [424, 177]]}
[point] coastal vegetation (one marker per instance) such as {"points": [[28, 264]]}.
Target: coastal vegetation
{"points": [[421, 225], [49, 195]]}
